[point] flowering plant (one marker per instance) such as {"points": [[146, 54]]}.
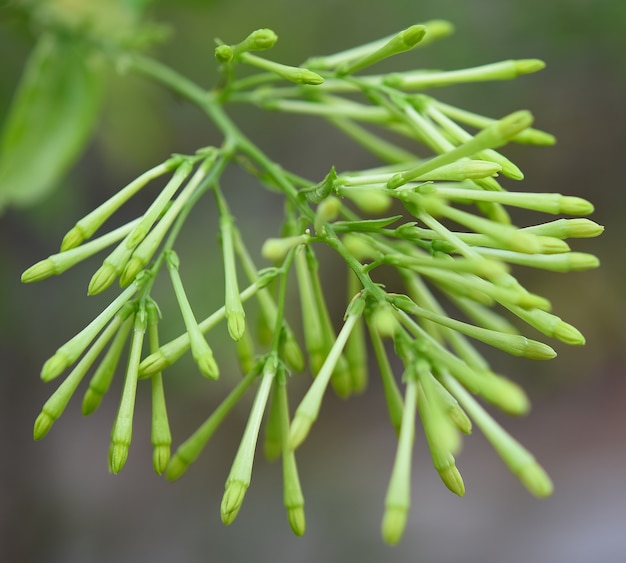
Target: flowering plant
{"points": [[432, 210]]}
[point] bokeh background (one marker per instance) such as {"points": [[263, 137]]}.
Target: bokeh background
{"points": [[58, 504]]}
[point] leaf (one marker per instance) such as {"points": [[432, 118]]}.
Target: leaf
{"points": [[366, 225], [50, 121]]}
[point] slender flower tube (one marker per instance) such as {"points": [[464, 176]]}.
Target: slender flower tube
{"points": [[398, 497], [89, 224], [517, 458], [309, 407], [238, 479], [67, 354], [200, 349], [55, 405], [235, 314], [57, 263], [191, 448], [121, 434], [160, 435], [292, 491], [399, 43], [103, 376]]}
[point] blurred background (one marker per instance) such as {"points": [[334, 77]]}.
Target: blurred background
{"points": [[58, 504]]}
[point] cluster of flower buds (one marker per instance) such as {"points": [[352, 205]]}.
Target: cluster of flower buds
{"points": [[442, 255]]}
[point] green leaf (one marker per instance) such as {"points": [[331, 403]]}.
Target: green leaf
{"points": [[365, 225], [50, 122]]}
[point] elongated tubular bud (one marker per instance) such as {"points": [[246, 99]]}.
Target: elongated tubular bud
{"points": [[234, 309], [398, 497], [158, 205], [495, 389], [307, 411], [269, 310], [192, 447], [103, 376], [67, 354], [519, 460], [239, 477], [291, 73], [393, 398], [509, 169], [530, 136], [316, 345], [435, 29], [399, 43], [55, 405], [292, 491], [493, 136], [503, 70], [89, 224], [356, 348], [171, 351], [208, 170], [200, 349], [160, 434], [514, 344], [433, 422], [59, 263], [121, 434]]}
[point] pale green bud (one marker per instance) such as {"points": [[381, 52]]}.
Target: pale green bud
{"points": [[89, 224], [258, 40], [568, 228], [394, 523], [327, 211], [403, 41], [275, 249], [297, 520], [291, 73], [224, 54], [452, 479], [59, 263], [232, 500]]}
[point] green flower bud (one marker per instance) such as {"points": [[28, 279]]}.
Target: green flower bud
{"points": [[55, 405], [568, 228], [291, 73], [272, 438], [161, 436], [241, 470], [307, 411], [121, 434], [224, 54], [89, 224], [258, 40], [232, 500], [59, 263], [397, 499], [157, 207], [275, 249], [517, 458], [550, 325], [327, 211], [200, 349], [493, 136], [111, 267], [101, 379], [393, 398], [504, 70], [67, 354], [191, 448], [529, 136], [403, 41]]}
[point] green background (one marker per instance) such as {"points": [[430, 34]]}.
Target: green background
{"points": [[57, 501]]}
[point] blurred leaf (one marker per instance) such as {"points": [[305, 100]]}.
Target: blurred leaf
{"points": [[50, 122]]}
